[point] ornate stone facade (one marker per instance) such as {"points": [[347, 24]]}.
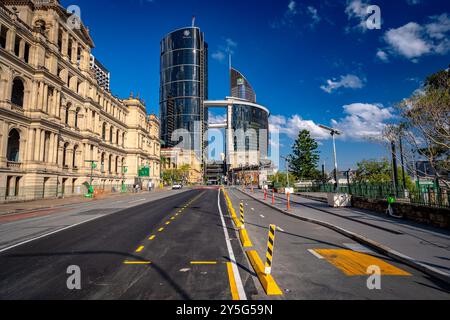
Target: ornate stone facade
{"points": [[55, 118]]}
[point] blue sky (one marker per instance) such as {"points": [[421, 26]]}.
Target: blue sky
{"points": [[310, 62]]}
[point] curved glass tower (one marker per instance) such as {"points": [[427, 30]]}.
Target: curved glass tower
{"points": [[184, 86], [240, 87]]}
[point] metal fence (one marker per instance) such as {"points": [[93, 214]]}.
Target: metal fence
{"points": [[426, 196]]}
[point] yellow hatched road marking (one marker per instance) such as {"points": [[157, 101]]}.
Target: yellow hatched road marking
{"points": [[167, 223], [140, 249], [354, 263], [232, 280], [161, 229], [173, 218], [152, 238]]}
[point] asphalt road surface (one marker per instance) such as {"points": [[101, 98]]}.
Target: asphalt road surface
{"points": [[173, 248], [184, 247]]}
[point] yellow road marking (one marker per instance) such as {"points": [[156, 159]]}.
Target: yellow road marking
{"points": [[152, 238], [167, 223], [232, 280], [161, 229], [204, 262], [173, 218], [137, 262], [140, 249], [354, 263]]}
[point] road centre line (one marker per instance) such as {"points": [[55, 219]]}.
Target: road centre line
{"points": [[203, 262], [237, 277], [140, 249], [137, 262]]}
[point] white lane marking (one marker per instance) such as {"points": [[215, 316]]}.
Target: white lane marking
{"points": [[47, 234], [279, 229], [237, 276], [253, 209], [358, 248], [261, 216], [313, 252], [140, 200]]}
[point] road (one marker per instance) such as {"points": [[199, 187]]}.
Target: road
{"points": [[185, 247]]}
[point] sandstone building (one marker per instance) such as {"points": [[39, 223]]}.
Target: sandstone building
{"points": [[55, 117]]}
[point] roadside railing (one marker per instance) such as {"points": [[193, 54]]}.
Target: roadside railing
{"points": [[426, 196]]}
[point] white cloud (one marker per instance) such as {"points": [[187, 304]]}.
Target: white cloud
{"points": [[413, 2], [357, 10], [314, 15], [407, 40], [288, 17], [216, 119], [293, 125], [413, 40], [348, 81], [225, 49], [292, 8], [364, 121], [218, 55], [383, 56], [361, 121]]}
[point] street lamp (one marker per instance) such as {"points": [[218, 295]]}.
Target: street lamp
{"points": [[334, 132]]}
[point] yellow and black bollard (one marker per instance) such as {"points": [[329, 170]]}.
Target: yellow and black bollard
{"points": [[242, 215], [270, 247]]}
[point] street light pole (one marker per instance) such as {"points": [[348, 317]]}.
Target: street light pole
{"points": [[334, 133]]}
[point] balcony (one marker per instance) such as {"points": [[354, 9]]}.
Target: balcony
{"points": [[14, 165]]}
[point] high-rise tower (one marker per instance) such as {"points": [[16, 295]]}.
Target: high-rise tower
{"points": [[184, 87]]}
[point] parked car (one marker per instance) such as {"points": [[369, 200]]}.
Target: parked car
{"points": [[177, 186]]}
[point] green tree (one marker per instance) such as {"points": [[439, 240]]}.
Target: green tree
{"points": [[281, 179], [372, 171], [305, 157], [378, 172], [425, 123]]}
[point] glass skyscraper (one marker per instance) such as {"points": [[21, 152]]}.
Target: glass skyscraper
{"points": [[184, 86]]}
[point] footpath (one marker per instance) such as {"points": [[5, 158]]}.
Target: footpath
{"points": [[422, 247]]}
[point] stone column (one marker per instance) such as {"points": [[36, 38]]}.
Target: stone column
{"points": [[22, 49], [65, 44], [30, 142], [10, 40], [40, 98], [45, 99], [42, 146], [37, 144], [74, 51]]}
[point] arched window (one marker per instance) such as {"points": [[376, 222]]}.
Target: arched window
{"points": [[117, 136], [77, 113], [117, 165], [104, 131], [111, 135], [103, 162], [123, 139], [123, 166], [74, 159], [67, 114], [18, 92], [13, 146], [65, 147], [110, 163]]}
